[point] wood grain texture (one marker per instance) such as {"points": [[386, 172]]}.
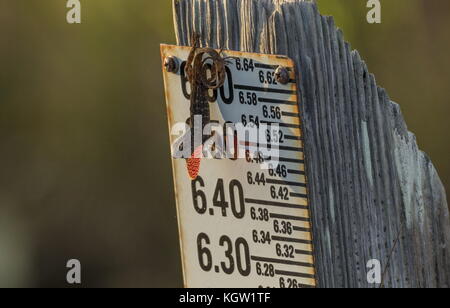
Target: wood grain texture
{"points": [[369, 183]]}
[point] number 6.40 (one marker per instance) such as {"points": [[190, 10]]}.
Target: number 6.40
{"points": [[236, 198]]}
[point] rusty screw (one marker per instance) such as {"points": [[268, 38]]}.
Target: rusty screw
{"points": [[171, 64], [282, 75]]}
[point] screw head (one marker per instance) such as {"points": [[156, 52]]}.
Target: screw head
{"points": [[282, 75], [171, 64]]}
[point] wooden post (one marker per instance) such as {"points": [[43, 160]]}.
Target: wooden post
{"points": [[373, 193]]}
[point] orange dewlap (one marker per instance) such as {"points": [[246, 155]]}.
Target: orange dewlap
{"points": [[193, 163]]}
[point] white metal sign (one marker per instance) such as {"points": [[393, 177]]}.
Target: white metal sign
{"points": [[244, 219]]}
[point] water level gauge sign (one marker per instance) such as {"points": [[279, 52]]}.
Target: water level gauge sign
{"points": [[239, 169]]}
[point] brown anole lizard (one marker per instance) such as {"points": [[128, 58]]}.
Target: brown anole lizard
{"points": [[197, 73]]}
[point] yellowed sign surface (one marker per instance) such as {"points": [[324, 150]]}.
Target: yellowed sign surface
{"points": [[244, 222]]}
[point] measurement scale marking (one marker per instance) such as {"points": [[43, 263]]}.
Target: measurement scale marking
{"points": [[289, 125], [291, 160], [290, 137], [281, 261], [290, 240], [291, 171], [276, 101], [296, 195], [281, 148], [288, 217], [266, 66], [292, 149], [285, 160], [270, 67], [301, 229], [303, 252], [273, 203], [293, 274], [265, 146], [261, 89], [287, 183], [290, 114]]}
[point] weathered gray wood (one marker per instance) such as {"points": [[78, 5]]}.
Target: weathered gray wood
{"points": [[369, 183]]}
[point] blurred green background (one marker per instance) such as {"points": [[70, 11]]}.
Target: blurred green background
{"points": [[84, 156]]}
